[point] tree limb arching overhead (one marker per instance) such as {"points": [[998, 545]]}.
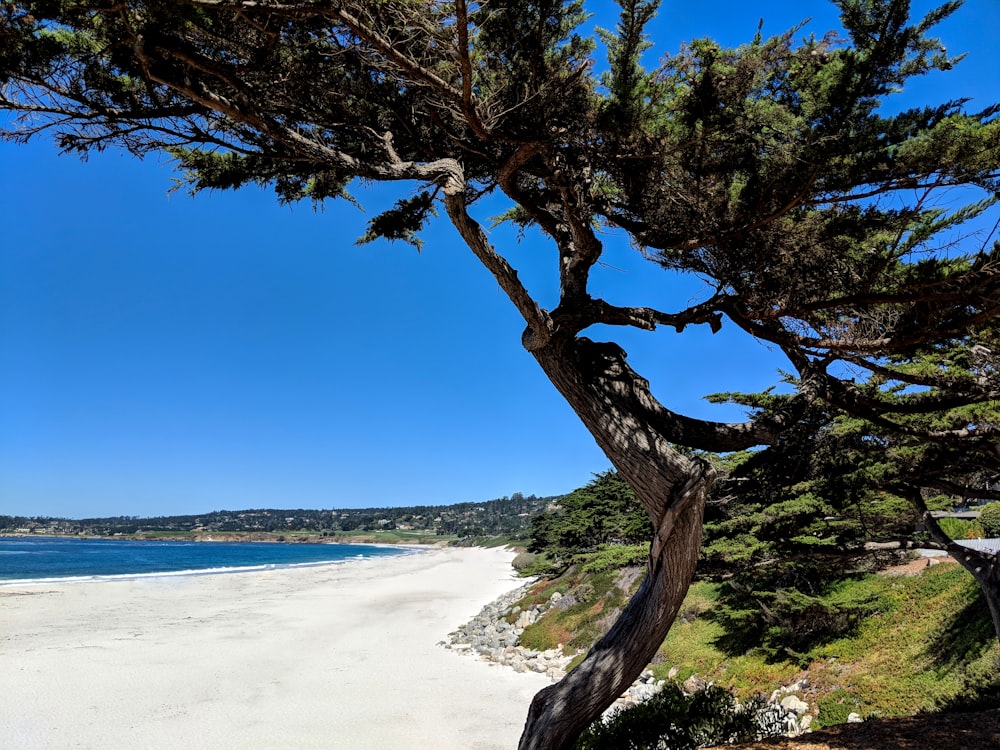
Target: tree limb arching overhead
{"points": [[766, 170]]}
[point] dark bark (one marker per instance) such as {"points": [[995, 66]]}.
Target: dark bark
{"points": [[610, 400]]}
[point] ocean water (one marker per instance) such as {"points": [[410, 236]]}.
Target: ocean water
{"points": [[69, 559]]}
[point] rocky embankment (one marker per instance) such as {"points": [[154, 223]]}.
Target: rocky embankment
{"points": [[494, 635]]}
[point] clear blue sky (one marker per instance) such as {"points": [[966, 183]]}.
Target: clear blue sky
{"points": [[162, 355]]}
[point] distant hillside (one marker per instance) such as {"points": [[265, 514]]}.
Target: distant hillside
{"points": [[503, 516]]}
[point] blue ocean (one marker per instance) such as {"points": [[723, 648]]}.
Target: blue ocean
{"points": [[71, 559]]}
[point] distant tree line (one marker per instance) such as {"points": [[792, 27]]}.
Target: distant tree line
{"points": [[499, 517]]}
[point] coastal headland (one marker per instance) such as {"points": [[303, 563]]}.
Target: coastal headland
{"points": [[338, 656]]}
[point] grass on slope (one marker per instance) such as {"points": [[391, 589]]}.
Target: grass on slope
{"points": [[929, 645]]}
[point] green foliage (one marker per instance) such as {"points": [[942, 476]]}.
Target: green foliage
{"points": [[769, 171], [528, 61], [959, 528], [836, 706], [980, 687], [524, 561], [593, 520], [629, 86], [787, 526], [403, 221], [677, 721], [989, 519], [541, 565], [203, 169], [786, 623], [614, 557], [925, 643], [589, 606]]}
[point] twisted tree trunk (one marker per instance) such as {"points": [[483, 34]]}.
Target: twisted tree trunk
{"points": [[616, 406], [560, 712]]}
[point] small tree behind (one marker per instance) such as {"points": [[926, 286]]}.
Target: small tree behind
{"points": [[843, 496], [989, 517], [603, 512]]}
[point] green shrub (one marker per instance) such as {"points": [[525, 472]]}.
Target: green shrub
{"points": [[523, 560], [545, 633], [531, 565], [836, 707], [989, 519], [682, 722], [614, 557], [959, 528], [980, 689], [786, 623], [601, 513]]}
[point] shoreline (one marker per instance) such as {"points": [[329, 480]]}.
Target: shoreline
{"points": [[112, 577], [220, 569], [342, 655]]}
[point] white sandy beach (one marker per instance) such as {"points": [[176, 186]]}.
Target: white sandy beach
{"points": [[340, 656]]}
